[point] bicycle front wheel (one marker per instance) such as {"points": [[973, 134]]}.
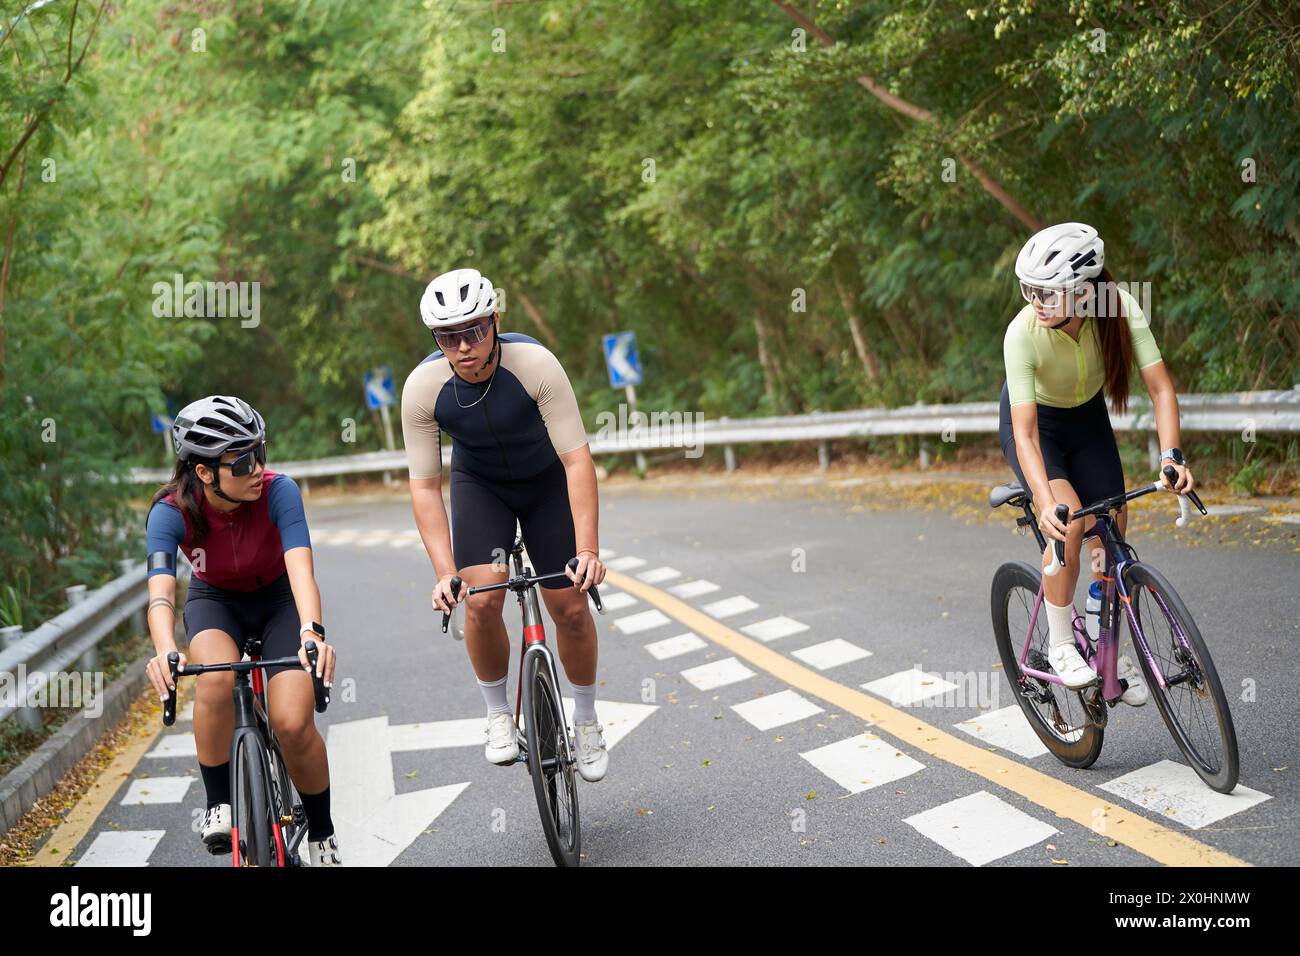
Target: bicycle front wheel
{"points": [[554, 781], [1192, 702], [252, 839]]}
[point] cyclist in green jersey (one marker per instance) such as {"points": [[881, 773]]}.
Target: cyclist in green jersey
{"points": [[1073, 346]]}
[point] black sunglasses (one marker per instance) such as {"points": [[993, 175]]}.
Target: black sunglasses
{"points": [[243, 465]]}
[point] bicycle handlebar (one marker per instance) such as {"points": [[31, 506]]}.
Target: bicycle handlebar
{"points": [[319, 690], [518, 584], [1056, 556]]}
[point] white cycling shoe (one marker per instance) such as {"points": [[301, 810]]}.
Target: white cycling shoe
{"points": [[503, 739], [1070, 666], [1126, 670], [324, 852], [216, 829], [593, 757]]}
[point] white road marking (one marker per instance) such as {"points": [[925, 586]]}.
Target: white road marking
{"points": [[729, 607], [717, 673], [675, 646], [187, 713], [435, 734], [636, 623], [625, 563], [174, 745], [157, 790], [774, 710], [862, 762], [693, 589], [374, 822], [909, 687], [122, 848], [1173, 791], [774, 628], [606, 553], [1006, 729], [831, 653], [980, 828], [617, 601], [657, 575]]}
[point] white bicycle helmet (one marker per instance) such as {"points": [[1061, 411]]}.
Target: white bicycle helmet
{"points": [[210, 427], [1061, 257], [455, 297]]}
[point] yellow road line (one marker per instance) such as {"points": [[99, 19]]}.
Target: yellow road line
{"points": [[82, 817], [1151, 839]]}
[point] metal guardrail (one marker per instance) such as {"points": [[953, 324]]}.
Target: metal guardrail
{"points": [[1272, 411], [70, 640]]}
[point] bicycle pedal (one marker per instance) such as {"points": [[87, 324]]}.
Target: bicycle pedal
{"points": [[218, 847]]}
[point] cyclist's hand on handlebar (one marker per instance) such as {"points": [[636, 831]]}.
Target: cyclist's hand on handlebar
{"points": [[1047, 523], [159, 674], [590, 571], [443, 599], [324, 658], [1185, 482]]}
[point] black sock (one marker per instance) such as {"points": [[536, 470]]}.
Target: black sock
{"points": [[317, 808], [216, 781]]}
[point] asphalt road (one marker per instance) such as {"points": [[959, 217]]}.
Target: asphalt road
{"points": [[774, 766]]}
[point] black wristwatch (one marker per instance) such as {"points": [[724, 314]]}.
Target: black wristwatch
{"points": [[1173, 454]]}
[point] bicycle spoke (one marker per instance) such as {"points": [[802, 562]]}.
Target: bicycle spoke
{"points": [[1064, 715]]}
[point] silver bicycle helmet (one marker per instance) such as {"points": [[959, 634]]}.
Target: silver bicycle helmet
{"points": [[210, 427]]}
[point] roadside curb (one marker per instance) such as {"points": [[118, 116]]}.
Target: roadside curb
{"points": [[41, 772]]}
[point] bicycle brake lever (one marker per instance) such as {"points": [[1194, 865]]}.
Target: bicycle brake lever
{"points": [[1057, 548], [595, 595], [169, 705], [455, 592], [318, 687]]}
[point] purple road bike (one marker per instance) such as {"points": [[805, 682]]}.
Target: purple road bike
{"points": [[1179, 672]]}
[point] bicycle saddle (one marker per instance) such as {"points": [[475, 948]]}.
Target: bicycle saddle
{"points": [[1008, 492]]}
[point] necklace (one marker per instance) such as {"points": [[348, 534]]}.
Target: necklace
{"points": [[456, 389]]}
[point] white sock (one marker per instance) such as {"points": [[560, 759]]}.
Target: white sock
{"points": [[1060, 623], [584, 702], [494, 695]]}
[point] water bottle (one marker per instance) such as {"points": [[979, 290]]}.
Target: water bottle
{"points": [[1092, 609]]}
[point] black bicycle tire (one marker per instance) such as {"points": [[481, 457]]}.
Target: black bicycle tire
{"points": [[1079, 754], [251, 779], [539, 691], [1225, 779]]}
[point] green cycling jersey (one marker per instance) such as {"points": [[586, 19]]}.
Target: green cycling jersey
{"points": [[1047, 366]]}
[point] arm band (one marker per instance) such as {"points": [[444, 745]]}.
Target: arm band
{"points": [[163, 560]]}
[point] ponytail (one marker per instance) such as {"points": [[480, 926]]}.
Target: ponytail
{"points": [[185, 489], [1116, 340]]}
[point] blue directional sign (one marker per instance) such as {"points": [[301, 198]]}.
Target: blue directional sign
{"points": [[379, 387], [621, 359], [161, 423]]}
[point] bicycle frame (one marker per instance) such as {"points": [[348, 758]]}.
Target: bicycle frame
{"points": [[1104, 656]]}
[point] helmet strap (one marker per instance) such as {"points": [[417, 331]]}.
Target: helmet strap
{"points": [[216, 483]]}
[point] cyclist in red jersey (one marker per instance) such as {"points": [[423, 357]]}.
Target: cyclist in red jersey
{"points": [[243, 529]]}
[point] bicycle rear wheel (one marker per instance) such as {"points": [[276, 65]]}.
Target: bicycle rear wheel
{"points": [[1192, 702], [1058, 715], [252, 838], [553, 777]]}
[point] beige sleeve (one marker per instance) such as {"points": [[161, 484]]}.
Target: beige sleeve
{"points": [[542, 375], [420, 432]]}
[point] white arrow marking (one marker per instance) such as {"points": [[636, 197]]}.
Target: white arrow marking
{"points": [[375, 823]]}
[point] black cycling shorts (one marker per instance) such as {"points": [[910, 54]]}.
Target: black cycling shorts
{"points": [[1078, 444], [268, 612], [483, 515]]}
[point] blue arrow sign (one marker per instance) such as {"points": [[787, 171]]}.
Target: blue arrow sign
{"points": [[379, 387], [621, 359]]}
